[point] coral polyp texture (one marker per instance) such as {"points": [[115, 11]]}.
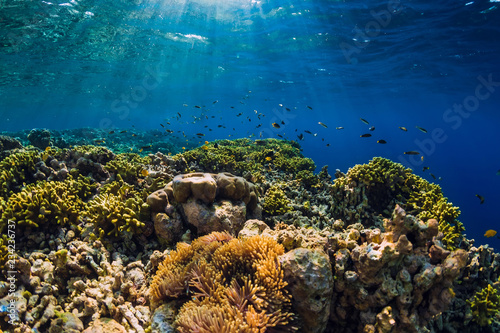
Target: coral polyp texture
{"points": [[227, 284], [231, 236]]}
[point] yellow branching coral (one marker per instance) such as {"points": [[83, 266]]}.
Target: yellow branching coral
{"points": [[47, 202], [276, 201], [233, 285], [485, 305], [15, 170]]}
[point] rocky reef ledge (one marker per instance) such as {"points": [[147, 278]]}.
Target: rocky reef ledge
{"points": [[232, 236]]}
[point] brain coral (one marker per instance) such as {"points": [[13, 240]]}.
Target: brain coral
{"points": [[227, 283]]}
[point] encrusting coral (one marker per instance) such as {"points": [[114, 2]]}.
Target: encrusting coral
{"points": [[227, 283]]}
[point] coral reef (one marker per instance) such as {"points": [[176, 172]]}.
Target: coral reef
{"points": [[243, 155], [9, 143], [228, 284], [97, 235], [40, 138], [378, 186]]}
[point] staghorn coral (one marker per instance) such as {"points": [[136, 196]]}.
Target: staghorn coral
{"points": [[485, 305], [275, 201], [227, 283]]}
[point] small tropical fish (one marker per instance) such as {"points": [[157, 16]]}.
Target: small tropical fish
{"points": [[372, 128], [308, 132], [146, 147], [425, 168], [216, 145], [239, 114], [162, 125], [490, 233], [481, 198], [123, 131], [319, 122], [364, 120], [433, 176], [269, 158], [382, 141], [276, 125], [328, 145], [310, 108], [403, 128], [200, 134], [144, 172], [411, 152], [183, 148], [288, 109], [282, 122], [422, 158], [184, 105], [421, 129], [197, 106], [367, 135], [215, 101], [281, 136], [111, 132], [339, 128], [206, 142], [301, 136], [204, 148], [179, 114]]}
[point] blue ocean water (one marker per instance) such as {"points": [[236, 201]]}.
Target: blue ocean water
{"points": [[232, 68]]}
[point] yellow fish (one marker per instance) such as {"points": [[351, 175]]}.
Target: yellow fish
{"points": [[144, 172], [269, 158], [490, 233]]}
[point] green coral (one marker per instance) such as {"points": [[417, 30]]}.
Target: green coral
{"points": [[308, 178], [243, 155], [128, 166], [485, 305], [386, 183], [45, 203], [17, 169], [276, 201], [118, 208]]}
